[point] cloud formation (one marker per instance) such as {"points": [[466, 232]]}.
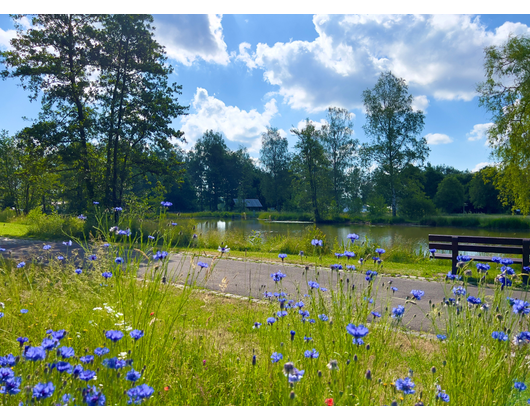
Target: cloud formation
{"points": [[479, 132], [188, 38], [438, 55], [480, 166], [237, 125], [438, 138]]}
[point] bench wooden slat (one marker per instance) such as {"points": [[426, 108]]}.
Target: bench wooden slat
{"points": [[478, 248], [477, 240], [480, 258]]}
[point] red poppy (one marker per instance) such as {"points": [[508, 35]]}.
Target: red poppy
{"points": [[166, 388], [152, 313], [329, 402]]}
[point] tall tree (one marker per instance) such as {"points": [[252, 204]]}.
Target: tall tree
{"points": [[394, 128], [54, 60], [275, 158], [312, 163], [340, 148], [450, 195], [506, 95]]}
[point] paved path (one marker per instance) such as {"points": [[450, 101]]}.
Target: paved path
{"points": [[252, 279]]}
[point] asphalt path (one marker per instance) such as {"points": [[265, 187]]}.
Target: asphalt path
{"points": [[252, 279]]}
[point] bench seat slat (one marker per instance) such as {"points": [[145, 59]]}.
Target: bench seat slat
{"points": [[480, 258], [479, 248], [477, 240]]}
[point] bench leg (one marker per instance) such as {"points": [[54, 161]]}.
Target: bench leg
{"points": [[526, 257], [454, 250]]}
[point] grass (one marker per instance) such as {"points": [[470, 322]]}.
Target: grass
{"points": [[201, 349], [14, 230]]}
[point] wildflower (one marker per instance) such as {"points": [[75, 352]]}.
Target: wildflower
{"points": [[223, 249], [292, 334], [60, 257], [338, 254], [317, 242], [505, 282], [301, 253], [118, 260], [394, 289], [100, 351], [349, 254], [136, 334], [304, 313], [81, 217], [463, 258], [295, 375], [276, 357], [22, 340], [313, 284], [69, 243], [114, 363], [21, 264], [202, 264], [11, 386], [139, 393], [300, 304], [507, 270], [46, 247], [118, 209], [95, 203], [150, 237], [311, 321], [65, 352], [442, 396], [166, 204], [8, 361], [522, 338], [370, 300], [257, 325], [336, 267], [64, 367], [311, 354], [380, 251], [5, 374], [78, 271], [92, 397], [398, 312], [87, 359], [405, 385], [506, 261], [282, 256], [308, 339], [376, 314], [357, 332], [474, 300], [451, 276], [107, 274], [323, 289], [41, 391], [432, 250], [496, 259], [35, 354], [48, 344], [23, 311], [1, 314], [417, 294], [520, 386], [277, 276], [459, 291], [329, 402], [93, 257], [482, 267], [350, 267], [323, 317], [333, 365], [271, 320], [352, 237], [58, 335], [105, 245], [499, 335], [133, 375], [174, 224], [114, 335], [281, 314], [370, 275], [521, 307]]}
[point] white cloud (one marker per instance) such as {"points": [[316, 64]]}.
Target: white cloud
{"points": [[188, 38], [245, 56], [439, 56], [479, 132], [237, 125], [317, 124], [5, 37], [438, 138], [480, 166], [420, 103]]}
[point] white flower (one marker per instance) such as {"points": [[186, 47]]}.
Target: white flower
{"points": [[122, 355], [98, 309], [2, 305], [128, 328]]}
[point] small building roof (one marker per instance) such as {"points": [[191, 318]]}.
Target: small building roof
{"points": [[250, 202]]}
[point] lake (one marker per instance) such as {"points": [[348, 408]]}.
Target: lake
{"points": [[385, 236]]}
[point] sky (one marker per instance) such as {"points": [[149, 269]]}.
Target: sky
{"points": [[241, 73]]}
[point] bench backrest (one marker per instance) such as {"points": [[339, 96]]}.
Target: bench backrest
{"points": [[468, 243]]}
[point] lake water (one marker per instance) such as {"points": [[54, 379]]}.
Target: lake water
{"points": [[385, 236]]}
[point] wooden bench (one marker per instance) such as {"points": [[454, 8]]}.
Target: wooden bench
{"points": [[490, 245]]}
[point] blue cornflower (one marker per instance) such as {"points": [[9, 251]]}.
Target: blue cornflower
{"points": [[317, 242], [338, 254], [349, 254], [1, 314], [133, 375], [150, 237], [66, 398], [350, 267], [136, 334], [256, 325], [78, 271], [107, 274], [474, 300], [48, 343], [370, 300], [46, 247], [394, 289], [443, 396], [114, 335], [114, 363], [304, 313], [308, 339], [323, 317], [398, 312], [60, 257], [352, 237], [506, 261], [118, 260], [8, 360], [380, 251], [301, 253], [41, 391], [300, 304], [267, 294], [281, 314], [376, 314], [323, 289], [139, 393], [370, 275], [23, 311], [21, 264], [106, 245], [5, 374], [294, 374], [482, 267], [507, 270], [499, 335], [66, 352], [520, 386], [93, 257], [95, 203], [452, 276], [357, 332], [64, 367], [282, 256], [292, 334], [522, 338], [92, 397], [11, 386], [441, 337], [278, 276], [58, 335], [417, 294], [336, 267], [311, 354], [405, 385], [521, 307], [160, 255], [166, 204], [118, 209], [271, 320], [100, 351], [496, 259], [202, 264], [313, 284], [432, 250], [311, 321], [87, 359], [81, 217], [174, 224], [22, 340], [463, 258], [276, 357], [504, 281], [69, 243], [459, 290], [35, 354]]}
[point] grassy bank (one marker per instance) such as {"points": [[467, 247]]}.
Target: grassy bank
{"points": [[201, 349]]}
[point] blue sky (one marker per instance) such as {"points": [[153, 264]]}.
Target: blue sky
{"points": [[243, 72]]}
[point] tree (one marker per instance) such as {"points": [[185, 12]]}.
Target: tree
{"points": [[482, 193], [275, 158], [340, 149], [311, 163], [394, 128], [450, 195], [506, 95]]}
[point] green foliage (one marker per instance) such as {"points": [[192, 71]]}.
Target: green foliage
{"points": [[378, 206], [416, 206], [450, 195], [53, 225]]}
